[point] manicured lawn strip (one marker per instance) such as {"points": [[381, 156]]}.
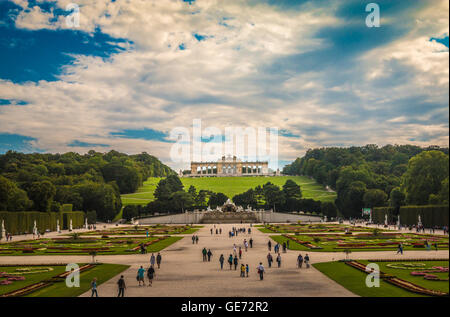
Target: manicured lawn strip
{"points": [[329, 246], [29, 278], [442, 286], [158, 246], [355, 281], [102, 272]]}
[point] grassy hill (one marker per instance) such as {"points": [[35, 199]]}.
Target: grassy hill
{"points": [[231, 186]]}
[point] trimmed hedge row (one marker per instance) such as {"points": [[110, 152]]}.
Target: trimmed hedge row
{"points": [[431, 215], [378, 214], [23, 221]]}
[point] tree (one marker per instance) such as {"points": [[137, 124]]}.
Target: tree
{"points": [[181, 200], [273, 195], [12, 198], [193, 192], [329, 209], [245, 199], [424, 176], [292, 190], [396, 198], [374, 198], [217, 199], [129, 211], [42, 193]]}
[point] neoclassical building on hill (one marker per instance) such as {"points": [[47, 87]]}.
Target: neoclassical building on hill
{"points": [[229, 166]]}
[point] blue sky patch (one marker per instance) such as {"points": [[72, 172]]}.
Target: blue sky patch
{"points": [[443, 40], [12, 102], [77, 143], [144, 134], [16, 142]]}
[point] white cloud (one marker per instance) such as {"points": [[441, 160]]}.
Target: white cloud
{"points": [[224, 80]]}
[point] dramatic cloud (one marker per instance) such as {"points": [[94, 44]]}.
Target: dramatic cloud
{"points": [[134, 70]]}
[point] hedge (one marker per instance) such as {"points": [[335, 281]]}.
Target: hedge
{"points": [[23, 221], [431, 215], [378, 214]]}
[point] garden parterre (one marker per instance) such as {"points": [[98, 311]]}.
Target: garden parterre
{"points": [[363, 242], [397, 278], [313, 228], [143, 230], [86, 246]]}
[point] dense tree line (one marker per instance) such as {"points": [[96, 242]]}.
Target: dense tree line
{"points": [[372, 176], [172, 198], [285, 199], [90, 182]]}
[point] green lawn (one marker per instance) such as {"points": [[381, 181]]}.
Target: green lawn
{"points": [[354, 280], [230, 186], [102, 272]]}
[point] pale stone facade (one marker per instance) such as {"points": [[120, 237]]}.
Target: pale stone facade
{"points": [[229, 166]]}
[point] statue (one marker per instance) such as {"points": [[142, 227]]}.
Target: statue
{"points": [[58, 229], [85, 223], [385, 220], [35, 228], [3, 229], [70, 225], [419, 223], [398, 223]]}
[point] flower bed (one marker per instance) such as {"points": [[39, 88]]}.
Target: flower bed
{"points": [[398, 282]]}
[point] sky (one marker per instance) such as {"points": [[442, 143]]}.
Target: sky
{"points": [[133, 71]]}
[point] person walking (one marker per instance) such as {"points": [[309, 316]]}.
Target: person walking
{"points": [[158, 260], [193, 239], [307, 260], [152, 259], [240, 253], [269, 245], [269, 259], [287, 244], [251, 242], [261, 271], [234, 249], [230, 261], [150, 275], [211, 231], [122, 286], [242, 270], [300, 261], [247, 269], [196, 239], [284, 247], [279, 260], [221, 260], [204, 252], [140, 276], [400, 249], [209, 255], [235, 261], [94, 287]]}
